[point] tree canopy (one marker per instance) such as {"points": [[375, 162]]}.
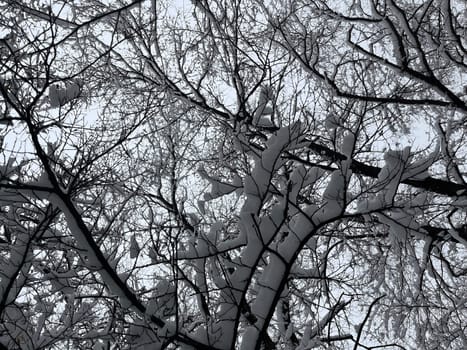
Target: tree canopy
{"points": [[241, 174]]}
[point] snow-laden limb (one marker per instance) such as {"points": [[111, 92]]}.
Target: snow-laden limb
{"points": [[449, 28], [256, 232], [418, 169], [14, 272], [162, 302], [334, 197], [431, 184], [403, 23], [310, 338], [390, 176], [219, 188], [400, 223], [398, 168], [262, 108], [446, 147], [17, 263], [268, 285], [105, 265], [404, 219], [281, 259], [257, 185], [301, 178]]}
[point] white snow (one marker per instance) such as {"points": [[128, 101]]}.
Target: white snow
{"points": [[218, 188], [331, 123], [134, 247], [419, 168], [249, 338], [262, 109], [59, 96], [348, 144]]}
